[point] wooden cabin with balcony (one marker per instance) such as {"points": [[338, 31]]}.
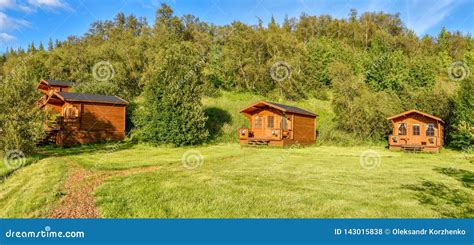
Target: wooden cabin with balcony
{"points": [[278, 125], [81, 118], [47, 86], [416, 131]]}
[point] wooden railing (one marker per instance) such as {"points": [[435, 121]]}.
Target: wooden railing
{"points": [[42, 100], [61, 123], [407, 140], [245, 133], [276, 134]]}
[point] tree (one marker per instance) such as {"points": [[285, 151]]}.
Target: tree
{"points": [[173, 112], [358, 109], [21, 122], [461, 134]]}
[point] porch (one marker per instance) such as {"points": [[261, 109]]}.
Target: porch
{"points": [[277, 136], [414, 144]]}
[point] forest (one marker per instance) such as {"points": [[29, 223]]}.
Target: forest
{"points": [[368, 66]]}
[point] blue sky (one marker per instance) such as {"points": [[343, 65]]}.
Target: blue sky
{"points": [[24, 21]]}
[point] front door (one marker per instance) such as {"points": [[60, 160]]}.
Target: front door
{"points": [[416, 132], [269, 126], [259, 126]]}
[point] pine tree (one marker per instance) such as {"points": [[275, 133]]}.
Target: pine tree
{"points": [[50, 44], [40, 47]]}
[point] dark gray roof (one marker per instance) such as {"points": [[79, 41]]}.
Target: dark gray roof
{"points": [[92, 98], [60, 83], [292, 109]]}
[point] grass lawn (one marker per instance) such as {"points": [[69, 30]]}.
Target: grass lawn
{"points": [[235, 181]]}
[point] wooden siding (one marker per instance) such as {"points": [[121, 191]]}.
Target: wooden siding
{"points": [[96, 122], [304, 131], [98, 117], [429, 143], [301, 129]]}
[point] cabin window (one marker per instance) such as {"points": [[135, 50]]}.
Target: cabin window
{"points": [[258, 122], [284, 123], [71, 112], [402, 129], [271, 122], [416, 129], [430, 130]]}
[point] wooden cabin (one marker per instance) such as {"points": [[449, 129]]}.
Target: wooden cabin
{"points": [[45, 86], [416, 131], [276, 124], [81, 118]]}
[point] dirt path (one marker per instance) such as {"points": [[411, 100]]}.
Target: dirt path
{"points": [[79, 201]]}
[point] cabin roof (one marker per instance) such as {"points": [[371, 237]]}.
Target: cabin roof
{"points": [[406, 113], [280, 107], [98, 98], [59, 83]]}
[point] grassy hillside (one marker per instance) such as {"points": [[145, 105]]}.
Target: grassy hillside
{"points": [[225, 119]]}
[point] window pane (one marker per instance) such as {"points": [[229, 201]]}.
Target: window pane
{"points": [[430, 130], [258, 122], [402, 129], [284, 123], [416, 129], [270, 123]]}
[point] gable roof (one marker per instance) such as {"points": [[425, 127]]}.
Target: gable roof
{"points": [[80, 97], [280, 107], [417, 112], [59, 83]]}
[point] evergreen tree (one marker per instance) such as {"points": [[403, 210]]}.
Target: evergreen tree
{"points": [[173, 112], [50, 44]]}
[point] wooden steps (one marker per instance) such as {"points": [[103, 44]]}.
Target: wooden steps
{"points": [[49, 138], [412, 148], [258, 142]]}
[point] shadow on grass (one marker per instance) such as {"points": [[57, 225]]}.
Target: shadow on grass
{"points": [[57, 151], [216, 118], [447, 201], [466, 177]]}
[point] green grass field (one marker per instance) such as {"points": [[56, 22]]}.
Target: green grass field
{"points": [[234, 181]]}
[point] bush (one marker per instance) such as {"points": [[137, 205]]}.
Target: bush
{"points": [[173, 111], [21, 121]]}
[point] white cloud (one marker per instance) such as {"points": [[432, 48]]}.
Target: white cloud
{"points": [[8, 23], [48, 4], [13, 4], [429, 14], [5, 37]]}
